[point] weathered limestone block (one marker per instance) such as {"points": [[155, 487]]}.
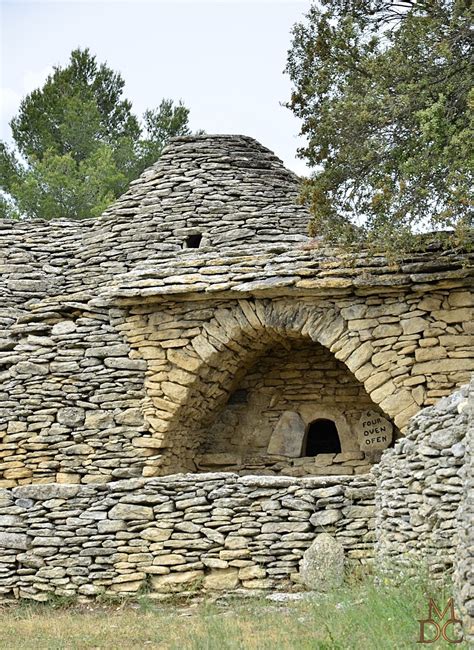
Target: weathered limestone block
{"points": [[30, 560], [63, 327], [221, 579], [324, 460], [46, 491], [16, 426], [174, 391], [17, 473], [384, 331], [374, 432], [252, 573], [430, 353], [115, 350], [444, 438], [322, 566], [236, 542], [288, 436], [443, 366], [183, 360], [13, 540], [78, 450], [10, 520], [458, 315], [203, 348], [156, 534], [175, 582], [107, 526], [123, 363], [359, 512], [99, 419], [128, 512], [31, 368], [71, 416], [148, 443], [130, 417], [325, 518], [413, 325], [360, 356], [397, 402]]}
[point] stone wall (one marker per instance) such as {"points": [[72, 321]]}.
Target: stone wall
{"points": [[120, 345], [175, 534], [91, 394], [228, 188], [420, 488], [407, 351], [423, 503], [71, 407], [464, 568]]}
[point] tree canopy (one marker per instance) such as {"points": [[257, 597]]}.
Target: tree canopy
{"points": [[78, 144], [384, 91]]}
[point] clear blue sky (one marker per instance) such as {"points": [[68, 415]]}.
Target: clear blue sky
{"points": [[224, 59]]}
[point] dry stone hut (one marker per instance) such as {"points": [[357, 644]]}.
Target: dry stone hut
{"points": [[195, 327], [191, 390]]}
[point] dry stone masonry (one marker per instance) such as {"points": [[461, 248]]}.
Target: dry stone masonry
{"points": [[126, 351], [177, 533], [424, 498], [421, 486], [464, 572], [191, 390]]}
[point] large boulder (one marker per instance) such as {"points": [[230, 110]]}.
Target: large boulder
{"points": [[322, 566]]}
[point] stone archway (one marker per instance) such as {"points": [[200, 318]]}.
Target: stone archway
{"points": [[199, 376], [278, 398]]}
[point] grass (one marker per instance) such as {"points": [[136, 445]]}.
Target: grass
{"points": [[364, 614]]}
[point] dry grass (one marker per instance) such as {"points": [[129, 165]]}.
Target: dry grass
{"points": [[362, 616]]}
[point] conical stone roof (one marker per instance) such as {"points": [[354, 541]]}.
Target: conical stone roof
{"points": [[227, 189]]}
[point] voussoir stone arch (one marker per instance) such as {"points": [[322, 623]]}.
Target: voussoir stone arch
{"points": [[230, 342]]}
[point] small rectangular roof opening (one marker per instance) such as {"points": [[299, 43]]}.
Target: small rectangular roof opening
{"points": [[193, 241]]}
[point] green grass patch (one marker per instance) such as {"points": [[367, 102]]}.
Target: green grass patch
{"points": [[367, 613]]}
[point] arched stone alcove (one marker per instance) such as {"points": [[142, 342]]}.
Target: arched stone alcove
{"points": [[266, 421], [190, 379]]}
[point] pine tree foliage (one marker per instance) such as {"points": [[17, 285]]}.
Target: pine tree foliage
{"points": [[78, 143], [384, 91]]}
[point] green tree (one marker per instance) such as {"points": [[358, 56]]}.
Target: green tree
{"points": [[79, 107], [384, 92], [160, 124], [78, 144]]}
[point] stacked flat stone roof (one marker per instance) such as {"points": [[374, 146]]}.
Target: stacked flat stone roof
{"points": [[229, 189], [239, 198]]}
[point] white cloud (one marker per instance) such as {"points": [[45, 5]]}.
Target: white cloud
{"points": [[33, 79], [9, 102], [10, 98]]}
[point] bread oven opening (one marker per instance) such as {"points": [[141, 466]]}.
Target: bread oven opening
{"points": [[322, 438]]}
